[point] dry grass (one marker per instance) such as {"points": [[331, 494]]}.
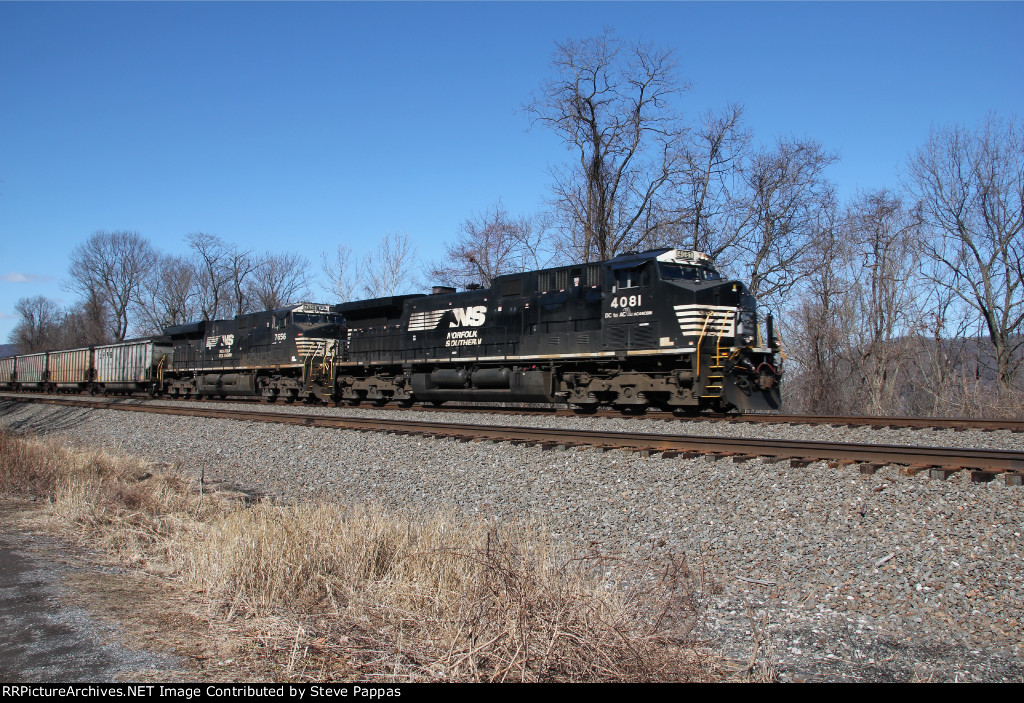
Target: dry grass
{"points": [[353, 592]]}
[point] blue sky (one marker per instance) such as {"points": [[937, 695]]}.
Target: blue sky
{"points": [[296, 126]]}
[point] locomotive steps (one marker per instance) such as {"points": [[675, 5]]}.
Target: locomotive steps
{"points": [[939, 462]]}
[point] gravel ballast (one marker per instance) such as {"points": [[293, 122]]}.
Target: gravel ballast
{"points": [[824, 573]]}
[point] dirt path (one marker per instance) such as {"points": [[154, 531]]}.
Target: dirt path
{"points": [[66, 618]]}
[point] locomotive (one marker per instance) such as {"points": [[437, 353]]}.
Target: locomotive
{"points": [[657, 329]]}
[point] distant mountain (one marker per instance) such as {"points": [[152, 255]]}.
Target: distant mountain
{"points": [[8, 349]]}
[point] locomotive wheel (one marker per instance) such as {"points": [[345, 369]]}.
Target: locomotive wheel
{"points": [[631, 410], [585, 408], [437, 403], [406, 403]]}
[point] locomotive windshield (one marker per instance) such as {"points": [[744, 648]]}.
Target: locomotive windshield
{"points": [[305, 318], [680, 272]]}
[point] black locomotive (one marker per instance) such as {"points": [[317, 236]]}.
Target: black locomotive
{"points": [[282, 353], [658, 329], [655, 329]]}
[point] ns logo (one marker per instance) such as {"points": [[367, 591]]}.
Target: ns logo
{"points": [[469, 317]]}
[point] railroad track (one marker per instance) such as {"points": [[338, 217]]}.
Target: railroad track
{"points": [[874, 421], [957, 424], [938, 462]]}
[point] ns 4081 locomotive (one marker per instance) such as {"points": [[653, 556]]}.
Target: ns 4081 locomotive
{"points": [[659, 329]]}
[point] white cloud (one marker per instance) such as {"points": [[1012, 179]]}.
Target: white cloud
{"points": [[18, 277]]}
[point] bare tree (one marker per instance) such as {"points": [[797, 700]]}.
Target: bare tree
{"points": [[240, 266], [715, 153], [112, 266], [490, 244], [940, 358], [88, 323], [45, 325], [786, 204], [342, 273], [884, 260], [170, 295], [391, 268], [279, 279], [610, 105], [970, 191], [818, 331], [37, 329], [213, 275]]}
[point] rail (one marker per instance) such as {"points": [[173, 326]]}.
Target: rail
{"points": [[940, 462]]}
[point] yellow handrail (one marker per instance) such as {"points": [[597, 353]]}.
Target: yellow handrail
{"points": [[721, 331], [707, 318]]}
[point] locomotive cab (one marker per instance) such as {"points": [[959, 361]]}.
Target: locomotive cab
{"points": [[734, 361], [670, 308]]}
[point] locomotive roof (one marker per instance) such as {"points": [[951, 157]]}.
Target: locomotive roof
{"points": [[198, 326], [316, 308], [678, 256]]}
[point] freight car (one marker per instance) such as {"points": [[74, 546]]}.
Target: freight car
{"points": [[658, 329], [126, 367]]}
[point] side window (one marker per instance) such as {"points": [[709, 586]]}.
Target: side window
{"points": [[631, 278], [512, 286]]}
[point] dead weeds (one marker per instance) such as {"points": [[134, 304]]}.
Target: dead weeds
{"points": [[324, 591]]}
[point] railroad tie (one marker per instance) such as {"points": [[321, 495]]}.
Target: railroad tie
{"points": [[915, 469], [1013, 478], [555, 446]]}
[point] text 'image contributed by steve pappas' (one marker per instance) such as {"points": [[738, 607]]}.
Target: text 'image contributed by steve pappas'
{"points": [[293, 692]]}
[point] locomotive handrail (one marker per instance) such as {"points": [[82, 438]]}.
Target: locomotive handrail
{"points": [[700, 339], [721, 330]]}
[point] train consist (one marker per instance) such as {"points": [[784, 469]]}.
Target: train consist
{"points": [[658, 329]]}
